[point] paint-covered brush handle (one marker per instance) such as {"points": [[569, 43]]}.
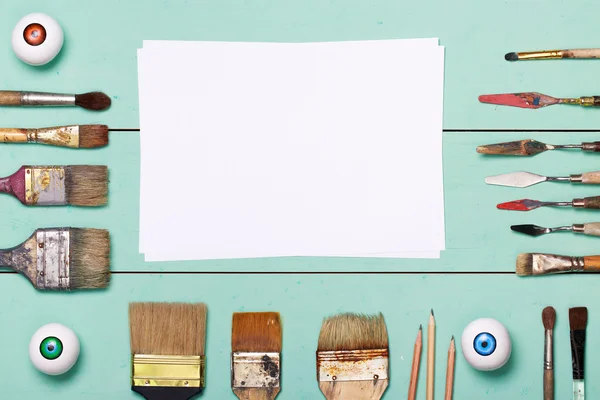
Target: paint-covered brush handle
{"points": [[587, 202], [13, 135], [167, 393], [581, 53], [548, 384]]}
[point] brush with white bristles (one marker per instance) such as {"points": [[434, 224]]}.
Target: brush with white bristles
{"points": [[352, 357]]}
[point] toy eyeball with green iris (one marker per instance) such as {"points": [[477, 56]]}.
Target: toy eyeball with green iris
{"points": [[54, 349], [486, 344]]}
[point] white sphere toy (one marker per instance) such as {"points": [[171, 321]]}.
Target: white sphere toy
{"points": [[54, 349], [37, 39], [486, 344]]}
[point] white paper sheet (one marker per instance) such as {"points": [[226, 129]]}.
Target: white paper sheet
{"points": [[264, 150]]}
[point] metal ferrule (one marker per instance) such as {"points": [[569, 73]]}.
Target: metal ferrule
{"points": [[540, 55], [45, 186], [576, 178], [46, 99], [578, 228], [167, 371], [64, 136], [579, 203], [352, 365], [255, 370], [548, 360], [53, 255], [552, 264]]}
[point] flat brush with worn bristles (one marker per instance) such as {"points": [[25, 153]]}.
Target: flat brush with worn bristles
{"points": [[76, 185], [578, 318], [552, 54], [167, 349], [590, 229], [536, 100], [528, 204], [95, 101], [353, 357], [530, 147], [545, 264], [548, 319], [73, 136], [62, 258], [256, 355]]}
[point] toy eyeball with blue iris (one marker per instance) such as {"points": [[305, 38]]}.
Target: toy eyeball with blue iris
{"points": [[54, 349], [486, 344], [37, 39]]}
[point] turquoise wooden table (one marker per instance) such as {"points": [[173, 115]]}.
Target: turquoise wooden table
{"points": [[474, 277]]}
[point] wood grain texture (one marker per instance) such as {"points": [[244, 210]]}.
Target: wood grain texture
{"points": [[357, 390], [591, 202], [592, 228], [548, 384], [592, 178], [256, 393], [10, 98]]}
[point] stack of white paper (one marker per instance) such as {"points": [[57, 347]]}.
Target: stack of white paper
{"points": [[291, 149]]}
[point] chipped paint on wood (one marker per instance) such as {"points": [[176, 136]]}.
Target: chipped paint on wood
{"points": [[255, 370], [45, 186]]}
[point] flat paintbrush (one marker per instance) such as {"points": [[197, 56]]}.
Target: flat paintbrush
{"points": [[524, 179], [352, 357], [528, 204], [167, 349], [256, 355], [536, 100], [578, 317], [77, 185], [62, 258], [590, 229], [531, 147], [543, 264], [73, 136], [95, 101], [552, 54]]}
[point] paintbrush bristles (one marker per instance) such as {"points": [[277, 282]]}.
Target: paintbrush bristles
{"points": [[173, 329], [91, 136], [578, 317], [524, 264], [93, 101], [90, 258], [256, 332], [86, 185], [548, 317], [353, 332]]}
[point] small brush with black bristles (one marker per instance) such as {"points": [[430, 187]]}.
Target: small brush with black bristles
{"points": [[73, 136], [95, 101], [552, 54], [62, 258], [578, 317]]}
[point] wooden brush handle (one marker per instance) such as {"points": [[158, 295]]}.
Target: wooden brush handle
{"points": [[590, 178], [166, 393], [10, 98], [581, 53], [354, 390], [256, 393], [591, 263], [13, 135], [548, 384]]}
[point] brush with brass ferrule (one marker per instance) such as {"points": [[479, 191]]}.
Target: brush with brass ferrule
{"points": [[167, 349], [73, 136], [256, 355], [62, 258], [353, 357], [95, 101], [552, 54], [545, 264], [58, 185]]}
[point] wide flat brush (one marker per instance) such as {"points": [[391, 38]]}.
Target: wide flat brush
{"points": [[548, 319], [167, 349], [256, 355], [552, 54], [352, 357], [531, 147], [73, 136], [590, 229], [95, 101], [62, 258], [525, 179], [543, 264], [536, 100], [528, 204], [77, 185], [578, 317]]}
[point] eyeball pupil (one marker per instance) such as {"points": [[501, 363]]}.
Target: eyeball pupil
{"points": [[51, 348], [34, 34], [484, 344]]}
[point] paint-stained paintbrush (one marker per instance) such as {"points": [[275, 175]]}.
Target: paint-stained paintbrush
{"points": [[95, 101], [256, 355], [167, 349], [524, 179], [528, 204], [552, 54], [73, 136], [578, 317], [544, 264], [77, 185], [62, 258], [591, 229], [536, 100], [531, 147], [352, 357], [548, 319]]}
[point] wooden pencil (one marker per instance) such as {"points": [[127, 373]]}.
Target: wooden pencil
{"points": [[430, 356], [414, 374], [450, 370]]}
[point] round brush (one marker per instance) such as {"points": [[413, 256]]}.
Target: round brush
{"points": [[548, 319]]}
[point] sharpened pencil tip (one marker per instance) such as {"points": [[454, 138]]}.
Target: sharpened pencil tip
{"points": [[421, 327], [432, 314], [452, 340]]}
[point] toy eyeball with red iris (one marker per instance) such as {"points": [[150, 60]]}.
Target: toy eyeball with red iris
{"points": [[54, 349], [37, 39], [486, 344]]}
